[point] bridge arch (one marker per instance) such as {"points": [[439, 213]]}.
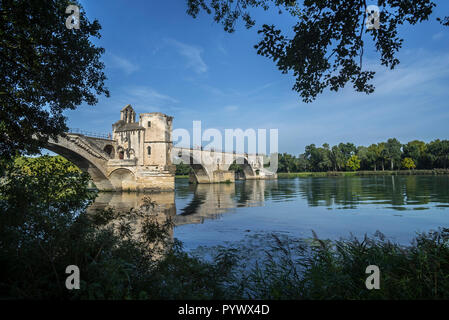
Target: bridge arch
{"points": [[122, 179], [74, 149], [246, 168], [200, 173]]}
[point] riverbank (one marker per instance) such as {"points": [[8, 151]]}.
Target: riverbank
{"points": [[132, 238], [291, 175]]}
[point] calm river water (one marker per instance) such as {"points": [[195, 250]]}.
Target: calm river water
{"points": [[334, 207]]}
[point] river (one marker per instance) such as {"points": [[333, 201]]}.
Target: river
{"points": [[334, 207]]}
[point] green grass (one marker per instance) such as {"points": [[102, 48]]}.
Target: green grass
{"points": [[291, 175]]}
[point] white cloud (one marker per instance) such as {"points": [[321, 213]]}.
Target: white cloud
{"points": [[121, 63], [438, 36], [150, 95], [222, 49], [408, 103], [144, 99], [231, 108], [192, 54], [261, 88], [420, 75]]}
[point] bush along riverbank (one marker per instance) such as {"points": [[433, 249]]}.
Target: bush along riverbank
{"points": [[44, 228], [289, 175], [316, 269]]}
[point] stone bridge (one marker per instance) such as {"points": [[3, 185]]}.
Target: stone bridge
{"points": [[213, 166], [139, 156]]}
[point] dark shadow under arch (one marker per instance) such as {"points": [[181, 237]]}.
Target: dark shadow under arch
{"points": [[242, 169], [199, 173], [97, 176], [109, 149]]}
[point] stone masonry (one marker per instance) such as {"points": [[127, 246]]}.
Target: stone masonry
{"points": [[139, 156]]}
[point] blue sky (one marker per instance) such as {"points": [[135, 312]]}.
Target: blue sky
{"points": [[159, 59]]}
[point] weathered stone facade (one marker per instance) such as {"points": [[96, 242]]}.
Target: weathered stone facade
{"points": [[138, 156], [142, 150]]}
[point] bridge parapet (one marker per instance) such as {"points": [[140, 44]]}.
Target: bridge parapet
{"points": [[106, 136]]}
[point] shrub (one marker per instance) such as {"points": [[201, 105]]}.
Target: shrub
{"points": [[44, 228], [336, 269]]}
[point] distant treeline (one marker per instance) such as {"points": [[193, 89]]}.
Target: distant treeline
{"points": [[390, 155], [183, 169]]}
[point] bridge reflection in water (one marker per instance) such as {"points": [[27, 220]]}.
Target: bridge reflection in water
{"points": [[333, 207], [197, 202]]}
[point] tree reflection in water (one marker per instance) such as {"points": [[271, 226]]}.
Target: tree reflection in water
{"points": [[194, 204], [210, 201], [394, 192]]}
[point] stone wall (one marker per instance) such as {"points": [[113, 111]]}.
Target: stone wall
{"points": [[139, 156]]}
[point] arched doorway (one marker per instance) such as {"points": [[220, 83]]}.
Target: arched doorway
{"points": [[121, 153]]}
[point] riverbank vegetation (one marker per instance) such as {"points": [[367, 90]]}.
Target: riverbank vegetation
{"points": [[318, 269], [347, 159], [291, 175], [390, 155], [44, 228], [183, 170]]}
